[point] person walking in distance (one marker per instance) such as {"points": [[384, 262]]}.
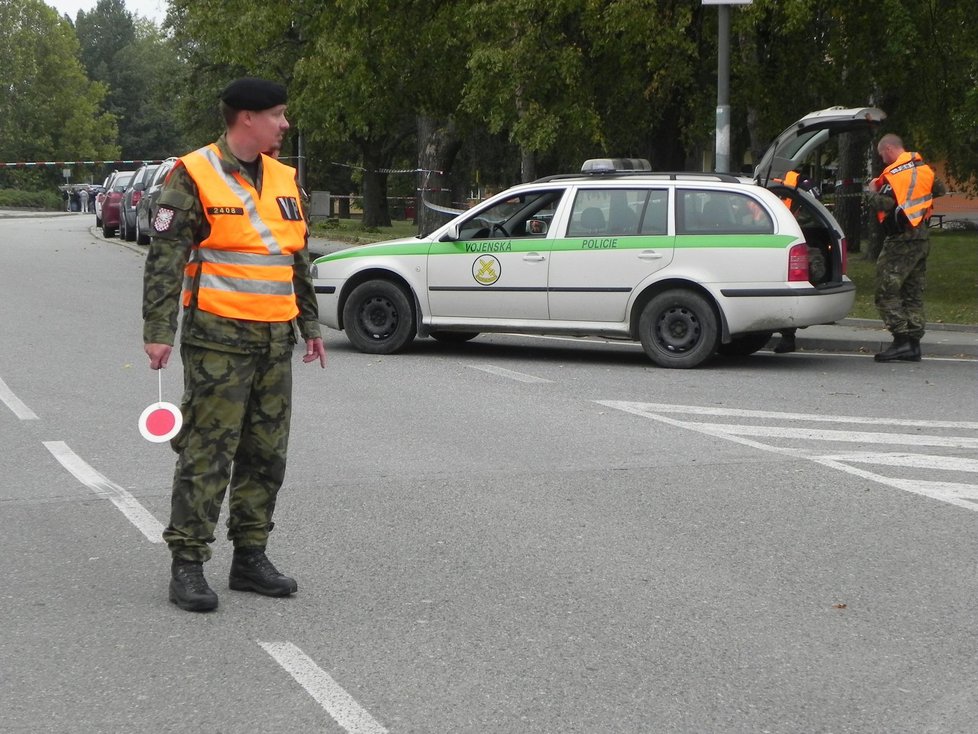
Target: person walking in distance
{"points": [[229, 244], [902, 197]]}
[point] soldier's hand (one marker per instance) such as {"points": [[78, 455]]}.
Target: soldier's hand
{"points": [[159, 355], [315, 350]]}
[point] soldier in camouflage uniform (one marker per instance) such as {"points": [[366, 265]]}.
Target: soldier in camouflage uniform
{"points": [[237, 371], [902, 197]]}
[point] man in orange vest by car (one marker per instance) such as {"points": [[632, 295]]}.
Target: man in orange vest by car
{"points": [[902, 197], [229, 244]]}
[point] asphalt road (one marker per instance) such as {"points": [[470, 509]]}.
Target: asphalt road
{"points": [[512, 535]]}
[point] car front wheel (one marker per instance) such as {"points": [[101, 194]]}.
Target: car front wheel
{"points": [[378, 317], [678, 329]]}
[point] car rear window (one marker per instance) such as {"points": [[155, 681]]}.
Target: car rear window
{"points": [[720, 212]]}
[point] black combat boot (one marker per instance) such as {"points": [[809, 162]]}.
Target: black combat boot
{"points": [[252, 571], [915, 353], [787, 343], [900, 349], [188, 587]]}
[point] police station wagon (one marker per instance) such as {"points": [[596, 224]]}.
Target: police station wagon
{"points": [[689, 264]]}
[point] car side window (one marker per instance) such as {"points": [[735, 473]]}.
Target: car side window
{"points": [[721, 212], [655, 220], [613, 211]]}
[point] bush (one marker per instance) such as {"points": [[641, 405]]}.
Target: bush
{"points": [[17, 199]]}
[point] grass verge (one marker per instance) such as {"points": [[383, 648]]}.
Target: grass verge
{"points": [[951, 295], [353, 231]]}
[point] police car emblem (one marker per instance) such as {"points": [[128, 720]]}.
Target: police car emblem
{"points": [[486, 270], [164, 217]]}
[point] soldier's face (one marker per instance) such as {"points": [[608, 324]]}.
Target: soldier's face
{"points": [[269, 127]]}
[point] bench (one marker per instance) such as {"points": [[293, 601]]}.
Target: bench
{"points": [[936, 220]]}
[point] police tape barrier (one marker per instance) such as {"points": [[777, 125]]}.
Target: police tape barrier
{"points": [[64, 164]]}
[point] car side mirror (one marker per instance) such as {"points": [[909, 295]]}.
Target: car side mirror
{"points": [[450, 235], [536, 226]]}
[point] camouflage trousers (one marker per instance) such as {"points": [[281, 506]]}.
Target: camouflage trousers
{"points": [[901, 271], [236, 411]]}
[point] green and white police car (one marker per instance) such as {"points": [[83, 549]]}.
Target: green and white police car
{"points": [[689, 264]]}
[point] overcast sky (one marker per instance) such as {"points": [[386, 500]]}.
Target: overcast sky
{"points": [[152, 9]]}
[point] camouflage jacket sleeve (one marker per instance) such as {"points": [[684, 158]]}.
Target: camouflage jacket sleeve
{"points": [[174, 221], [305, 294]]}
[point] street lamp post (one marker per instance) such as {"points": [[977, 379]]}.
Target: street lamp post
{"points": [[722, 163]]}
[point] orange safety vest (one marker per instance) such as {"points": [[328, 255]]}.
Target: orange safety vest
{"points": [[911, 181], [243, 269], [790, 179]]}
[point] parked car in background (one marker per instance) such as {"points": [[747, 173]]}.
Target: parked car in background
{"points": [[114, 189], [150, 195], [130, 200], [99, 198]]}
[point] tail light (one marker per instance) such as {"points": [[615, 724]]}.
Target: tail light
{"points": [[798, 263], [845, 255], [136, 196]]}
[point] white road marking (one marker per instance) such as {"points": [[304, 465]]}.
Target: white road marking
{"points": [[913, 461], [807, 417], [125, 502], [960, 494], [502, 372], [339, 704], [809, 434], [15, 404]]}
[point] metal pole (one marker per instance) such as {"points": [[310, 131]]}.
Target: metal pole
{"points": [[723, 90], [301, 163]]}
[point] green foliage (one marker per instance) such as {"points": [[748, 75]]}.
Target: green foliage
{"points": [[952, 279], [19, 199], [51, 111], [132, 58]]}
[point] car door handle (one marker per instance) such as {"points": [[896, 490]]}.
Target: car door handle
{"points": [[649, 255], [534, 257]]}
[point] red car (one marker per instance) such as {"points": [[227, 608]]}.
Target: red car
{"points": [[115, 187]]}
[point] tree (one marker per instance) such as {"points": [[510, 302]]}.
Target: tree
{"points": [[130, 55], [50, 110]]}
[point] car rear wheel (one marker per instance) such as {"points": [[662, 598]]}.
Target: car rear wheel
{"points": [[678, 329], [454, 337], [141, 237], [127, 234], [745, 344], [107, 231], [378, 317]]}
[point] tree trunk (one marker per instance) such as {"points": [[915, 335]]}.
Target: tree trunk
{"points": [[848, 190], [375, 210], [438, 144]]}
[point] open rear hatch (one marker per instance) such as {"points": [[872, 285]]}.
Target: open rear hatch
{"points": [[789, 152]]}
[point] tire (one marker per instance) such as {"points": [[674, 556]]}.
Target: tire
{"points": [[679, 329], [98, 221], [107, 231], [141, 239], [128, 234], [744, 345], [454, 337], [378, 317]]}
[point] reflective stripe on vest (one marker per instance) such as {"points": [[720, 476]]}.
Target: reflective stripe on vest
{"points": [[246, 262], [912, 182]]}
